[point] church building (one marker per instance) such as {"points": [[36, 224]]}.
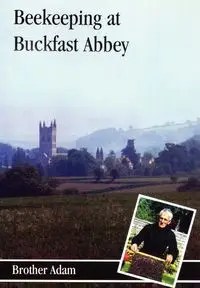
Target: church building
{"points": [[47, 141]]}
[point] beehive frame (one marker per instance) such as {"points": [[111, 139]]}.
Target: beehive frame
{"points": [[147, 266]]}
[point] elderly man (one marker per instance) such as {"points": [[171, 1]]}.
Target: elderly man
{"points": [[158, 238]]}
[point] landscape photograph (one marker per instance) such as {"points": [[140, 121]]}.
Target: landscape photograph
{"points": [[83, 133]]}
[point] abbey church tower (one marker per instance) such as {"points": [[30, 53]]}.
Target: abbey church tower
{"points": [[47, 140]]}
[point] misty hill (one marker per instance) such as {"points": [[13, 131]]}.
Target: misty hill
{"points": [[150, 139], [193, 142]]}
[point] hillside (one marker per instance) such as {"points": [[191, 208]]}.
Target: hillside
{"points": [[150, 139]]}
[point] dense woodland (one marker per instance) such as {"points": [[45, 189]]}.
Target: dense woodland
{"points": [[29, 177]]}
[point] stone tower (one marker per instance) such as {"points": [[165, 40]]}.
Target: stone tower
{"points": [[47, 139]]}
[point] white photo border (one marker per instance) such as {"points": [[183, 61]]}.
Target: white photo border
{"points": [[140, 196]]}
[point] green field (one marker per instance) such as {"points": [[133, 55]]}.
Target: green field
{"points": [[82, 226], [89, 185]]}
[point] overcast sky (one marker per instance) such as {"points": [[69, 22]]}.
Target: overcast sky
{"points": [[156, 81]]}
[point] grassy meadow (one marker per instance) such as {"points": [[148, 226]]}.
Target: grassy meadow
{"points": [[84, 226]]}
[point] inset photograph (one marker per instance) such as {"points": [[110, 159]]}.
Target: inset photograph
{"points": [[156, 240]]}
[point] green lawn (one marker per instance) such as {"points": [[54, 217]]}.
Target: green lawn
{"points": [[168, 278]]}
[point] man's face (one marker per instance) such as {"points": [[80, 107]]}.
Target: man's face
{"points": [[164, 220]]}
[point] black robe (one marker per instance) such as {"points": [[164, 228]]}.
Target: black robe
{"points": [[156, 240]]}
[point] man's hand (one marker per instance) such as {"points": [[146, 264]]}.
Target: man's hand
{"points": [[169, 259], [134, 248]]}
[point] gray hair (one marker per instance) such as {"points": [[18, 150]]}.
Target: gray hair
{"points": [[168, 211]]}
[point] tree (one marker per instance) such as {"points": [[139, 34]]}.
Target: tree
{"points": [[98, 173], [194, 155], [110, 161], [97, 153], [6, 162], [145, 211], [130, 152], [19, 158], [174, 158], [22, 181], [58, 166], [114, 174], [40, 169], [6, 153], [76, 163], [122, 169], [147, 158], [80, 163]]}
